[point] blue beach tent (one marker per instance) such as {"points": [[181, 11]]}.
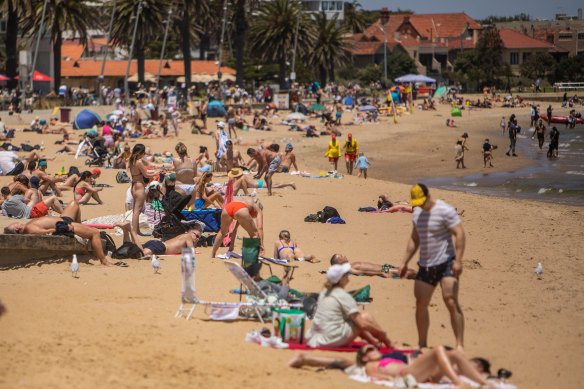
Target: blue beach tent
{"points": [[85, 120], [215, 109]]}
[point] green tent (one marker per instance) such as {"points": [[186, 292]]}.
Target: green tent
{"points": [[455, 112], [440, 92], [316, 107]]}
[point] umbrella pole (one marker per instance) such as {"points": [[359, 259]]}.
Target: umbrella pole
{"points": [[393, 108], [411, 99]]}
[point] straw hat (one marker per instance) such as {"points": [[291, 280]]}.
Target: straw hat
{"points": [[235, 172]]}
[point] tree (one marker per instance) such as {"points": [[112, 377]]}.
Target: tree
{"points": [[329, 48], [570, 69], [186, 10], [14, 11], [61, 15], [354, 20], [399, 64], [150, 26], [272, 33], [489, 53], [371, 73], [537, 65]]}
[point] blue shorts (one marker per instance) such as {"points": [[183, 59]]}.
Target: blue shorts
{"points": [[206, 168], [199, 203], [156, 246]]}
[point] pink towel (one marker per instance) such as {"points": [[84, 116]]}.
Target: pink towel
{"points": [[228, 198]]}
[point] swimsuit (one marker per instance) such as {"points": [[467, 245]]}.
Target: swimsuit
{"points": [[260, 183], [199, 203], [285, 247], [285, 169], [156, 246], [234, 206], [81, 191], [275, 164], [192, 169]]}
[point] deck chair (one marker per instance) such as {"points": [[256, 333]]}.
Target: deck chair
{"points": [[189, 299], [252, 262]]}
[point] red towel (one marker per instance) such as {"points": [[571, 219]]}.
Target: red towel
{"points": [[353, 347]]}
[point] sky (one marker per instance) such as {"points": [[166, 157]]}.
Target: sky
{"points": [[480, 9]]}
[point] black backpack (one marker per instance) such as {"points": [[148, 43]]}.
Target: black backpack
{"points": [[327, 213], [122, 177], [128, 250], [107, 242], [73, 170]]}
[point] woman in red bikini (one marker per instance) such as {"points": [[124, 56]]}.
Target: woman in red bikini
{"points": [[83, 191], [243, 212]]}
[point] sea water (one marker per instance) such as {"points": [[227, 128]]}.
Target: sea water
{"points": [[558, 180]]}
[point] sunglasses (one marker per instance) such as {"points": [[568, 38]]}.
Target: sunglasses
{"points": [[198, 235]]}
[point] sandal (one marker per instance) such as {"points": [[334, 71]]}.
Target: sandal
{"points": [[121, 264]]}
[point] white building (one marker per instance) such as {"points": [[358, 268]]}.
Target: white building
{"points": [[330, 7]]}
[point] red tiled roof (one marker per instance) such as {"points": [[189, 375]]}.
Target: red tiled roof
{"points": [[92, 68], [370, 45], [454, 44], [516, 40]]}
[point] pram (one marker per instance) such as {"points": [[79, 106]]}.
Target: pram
{"points": [[99, 154], [173, 223]]}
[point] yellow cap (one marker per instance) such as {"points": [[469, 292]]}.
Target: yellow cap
{"points": [[418, 195]]}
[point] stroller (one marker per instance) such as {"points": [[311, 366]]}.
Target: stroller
{"points": [[173, 223], [99, 154]]}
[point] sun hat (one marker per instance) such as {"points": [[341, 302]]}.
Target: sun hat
{"points": [[336, 272], [96, 171], [221, 124], [289, 146], [153, 184], [419, 194], [43, 163], [235, 172], [34, 182]]}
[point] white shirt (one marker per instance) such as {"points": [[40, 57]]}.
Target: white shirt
{"points": [[7, 159], [436, 246]]}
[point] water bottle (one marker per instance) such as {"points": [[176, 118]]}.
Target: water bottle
{"points": [[43, 145]]}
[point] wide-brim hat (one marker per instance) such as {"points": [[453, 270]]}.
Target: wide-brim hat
{"points": [[235, 172]]}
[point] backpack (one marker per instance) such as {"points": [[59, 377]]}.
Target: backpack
{"points": [[107, 242], [312, 218], [128, 250], [327, 213], [122, 177], [73, 170]]}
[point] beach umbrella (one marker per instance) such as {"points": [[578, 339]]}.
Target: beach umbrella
{"points": [[296, 116], [317, 107], [38, 76], [85, 120], [4, 78], [368, 108], [397, 88], [414, 78]]}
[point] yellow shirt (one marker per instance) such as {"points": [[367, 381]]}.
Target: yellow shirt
{"points": [[351, 147], [333, 150]]}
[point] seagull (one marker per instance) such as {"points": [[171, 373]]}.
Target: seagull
{"points": [[539, 270], [74, 266], [155, 264]]}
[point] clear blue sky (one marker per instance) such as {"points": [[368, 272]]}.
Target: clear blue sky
{"points": [[480, 9]]}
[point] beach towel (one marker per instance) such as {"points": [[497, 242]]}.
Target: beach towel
{"points": [[367, 209], [361, 377], [336, 220], [393, 211]]}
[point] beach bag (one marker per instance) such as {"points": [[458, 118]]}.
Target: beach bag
{"points": [[327, 213], [219, 312], [128, 250], [107, 242], [165, 230], [289, 323], [361, 295], [73, 170], [312, 218], [122, 177]]}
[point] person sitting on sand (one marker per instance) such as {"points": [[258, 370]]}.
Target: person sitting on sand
{"points": [[171, 246], [83, 190], [371, 269], [231, 158], [285, 248], [16, 206], [243, 212], [337, 320], [204, 198], [244, 182], [46, 180], [68, 223], [184, 166]]}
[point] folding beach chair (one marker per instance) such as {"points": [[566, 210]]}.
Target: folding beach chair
{"points": [[252, 262], [189, 294]]}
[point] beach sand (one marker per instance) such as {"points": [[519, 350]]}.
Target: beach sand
{"points": [[115, 326]]}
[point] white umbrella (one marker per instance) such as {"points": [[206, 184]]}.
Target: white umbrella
{"points": [[296, 116]]}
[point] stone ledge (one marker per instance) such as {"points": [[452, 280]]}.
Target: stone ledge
{"points": [[19, 249]]}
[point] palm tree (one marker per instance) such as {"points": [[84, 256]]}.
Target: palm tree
{"points": [[209, 27], [353, 17], [13, 11], [273, 30], [61, 15], [188, 10], [329, 49], [150, 26]]}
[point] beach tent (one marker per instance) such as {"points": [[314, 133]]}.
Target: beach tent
{"points": [[395, 97], [215, 109], [85, 120], [455, 112], [414, 78], [348, 100], [317, 107], [440, 92], [299, 107]]}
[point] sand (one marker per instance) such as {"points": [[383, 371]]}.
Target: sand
{"points": [[115, 326]]}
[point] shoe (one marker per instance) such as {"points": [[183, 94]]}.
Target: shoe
{"points": [[253, 337], [411, 381], [515, 155], [507, 154], [399, 382]]}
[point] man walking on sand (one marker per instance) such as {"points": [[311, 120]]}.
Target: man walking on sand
{"points": [[351, 147], [434, 225]]}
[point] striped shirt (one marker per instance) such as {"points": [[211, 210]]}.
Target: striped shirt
{"points": [[436, 245]]}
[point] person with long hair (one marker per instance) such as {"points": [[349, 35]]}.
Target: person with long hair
{"points": [[204, 198], [286, 248], [83, 191], [184, 166], [139, 175], [337, 320]]}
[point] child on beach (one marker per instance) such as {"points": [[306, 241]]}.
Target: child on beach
{"points": [[362, 163], [503, 125]]}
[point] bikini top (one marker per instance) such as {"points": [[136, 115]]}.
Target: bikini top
{"points": [[286, 247]]}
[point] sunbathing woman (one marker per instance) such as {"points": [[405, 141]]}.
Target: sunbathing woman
{"points": [[204, 197], [383, 204], [139, 177], [243, 212], [285, 248], [184, 166], [243, 182], [83, 191]]}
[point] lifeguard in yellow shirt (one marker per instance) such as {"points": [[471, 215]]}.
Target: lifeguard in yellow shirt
{"points": [[351, 147], [333, 152]]}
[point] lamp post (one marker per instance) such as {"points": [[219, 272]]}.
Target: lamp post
{"points": [[109, 34], [163, 49], [384, 50], [221, 48], [38, 42], [293, 74], [126, 90]]}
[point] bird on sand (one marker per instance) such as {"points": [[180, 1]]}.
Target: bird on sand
{"points": [[539, 270], [74, 266], [155, 264]]}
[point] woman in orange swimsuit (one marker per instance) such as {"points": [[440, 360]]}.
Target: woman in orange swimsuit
{"points": [[138, 173], [83, 191], [243, 212]]}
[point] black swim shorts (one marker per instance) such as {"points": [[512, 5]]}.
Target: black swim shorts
{"points": [[433, 274], [156, 246]]}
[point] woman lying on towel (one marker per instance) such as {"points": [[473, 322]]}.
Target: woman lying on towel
{"points": [[244, 182], [337, 321], [286, 248], [383, 204]]}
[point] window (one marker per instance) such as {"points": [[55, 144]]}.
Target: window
{"points": [[566, 36], [340, 7], [514, 58], [525, 56], [581, 35]]}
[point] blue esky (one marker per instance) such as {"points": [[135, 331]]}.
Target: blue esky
{"points": [[479, 9]]}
